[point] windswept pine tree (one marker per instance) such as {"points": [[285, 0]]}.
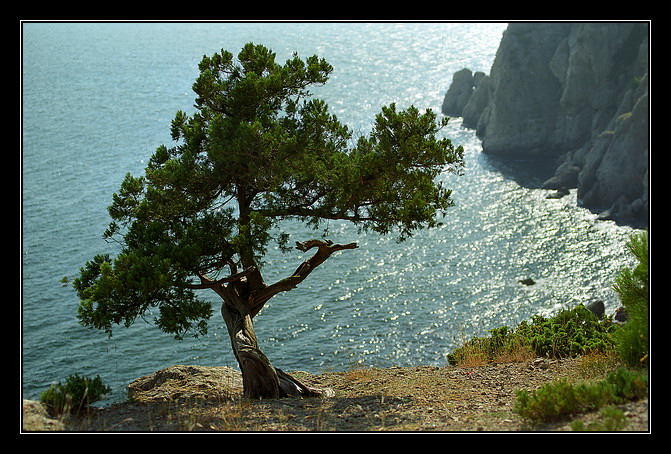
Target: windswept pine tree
{"points": [[259, 150]]}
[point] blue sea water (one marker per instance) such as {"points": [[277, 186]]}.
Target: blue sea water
{"points": [[98, 98]]}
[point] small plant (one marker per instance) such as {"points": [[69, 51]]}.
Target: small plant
{"points": [[628, 384], [556, 400], [595, 365], [560, 399], [77, 394]]}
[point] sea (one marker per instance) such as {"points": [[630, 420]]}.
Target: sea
{"points": [[97, 99]]}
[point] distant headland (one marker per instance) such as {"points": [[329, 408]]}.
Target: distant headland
{"points": [[574, 95]]}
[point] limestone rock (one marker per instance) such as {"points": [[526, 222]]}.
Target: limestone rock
{"points": [[477, 103], [37, 419], [575, 95], [524, 103], [459, 93], [187, 382]]}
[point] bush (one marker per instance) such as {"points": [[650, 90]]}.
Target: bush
{"points": [[628, 384], [568, 334], [557, 400], [77, 394], [632, 287]]}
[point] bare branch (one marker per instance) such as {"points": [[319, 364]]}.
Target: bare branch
{"points": [[325, 249]]}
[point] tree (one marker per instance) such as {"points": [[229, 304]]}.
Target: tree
{"points": [[258, 150]]}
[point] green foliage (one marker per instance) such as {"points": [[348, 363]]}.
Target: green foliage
{"points": [[568, 334], [632, 287], [258, 150], [560, 399], [117, 291], [628, 384], [76, 394]]}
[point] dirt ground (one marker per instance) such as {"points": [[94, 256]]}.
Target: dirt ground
{"points": [[406, 399]]}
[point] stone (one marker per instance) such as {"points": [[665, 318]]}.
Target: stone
{"points": [[620, 315], [559, 193], [475, 107], [459, 93], [597, 307], [37, 419], [566, 176], [187, 382]]}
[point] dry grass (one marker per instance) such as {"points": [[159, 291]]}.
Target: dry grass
{"points": [[477, 353], [359, 374], [473, 354], [516, 354], [597, 365]]}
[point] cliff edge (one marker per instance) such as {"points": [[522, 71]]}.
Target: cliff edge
{"points": [[575, 95]]}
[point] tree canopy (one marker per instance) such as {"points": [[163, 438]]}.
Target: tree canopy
{"points": [[258, 150]]}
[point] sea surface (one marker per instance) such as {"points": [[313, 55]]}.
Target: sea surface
{"points": [[98, 98]]}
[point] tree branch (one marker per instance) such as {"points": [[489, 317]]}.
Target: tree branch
{"points": [[324, 250], [208, 282], [325, 214]]}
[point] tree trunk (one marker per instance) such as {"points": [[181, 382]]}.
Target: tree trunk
{"points": [[244, 294], [259, 377]]}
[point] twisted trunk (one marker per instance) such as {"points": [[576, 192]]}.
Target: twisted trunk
{"points": [[260, 378], [242, 300]]}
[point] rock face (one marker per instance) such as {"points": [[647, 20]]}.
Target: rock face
{"points": [[464, 82], [575, 94]]}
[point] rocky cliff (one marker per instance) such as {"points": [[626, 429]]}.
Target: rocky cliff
{"points": [[575, 94]]}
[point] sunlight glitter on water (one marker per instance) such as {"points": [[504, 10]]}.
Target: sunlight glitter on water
{"points": [[105, 104]]}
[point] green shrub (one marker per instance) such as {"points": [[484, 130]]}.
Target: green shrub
{"points": [[557, 400], [632, 287], [77, 394], [628, 384], [568, 334]]}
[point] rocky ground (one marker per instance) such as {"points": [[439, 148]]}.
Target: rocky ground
{"points": [[409, 399]]}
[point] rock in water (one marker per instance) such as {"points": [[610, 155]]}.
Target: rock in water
{"points": [[597, 307], [459, 93]]}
